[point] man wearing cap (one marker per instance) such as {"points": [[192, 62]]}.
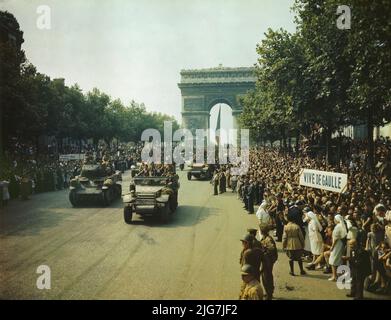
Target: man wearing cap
{"points": [[251, 255], [251, 290], [269, 258]]}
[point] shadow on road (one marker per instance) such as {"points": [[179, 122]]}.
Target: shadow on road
{"points": [[31, 217], [28, 224], [185, 216]]}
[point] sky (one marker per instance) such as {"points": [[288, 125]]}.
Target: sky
{"points": [[134, 50]]}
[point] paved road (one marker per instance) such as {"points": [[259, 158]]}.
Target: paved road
{"points": [[93, 254]]}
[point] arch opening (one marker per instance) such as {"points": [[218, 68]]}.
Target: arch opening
{"points": [[226, 122]]}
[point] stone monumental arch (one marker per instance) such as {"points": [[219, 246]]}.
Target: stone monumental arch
{"points": [[203, 88]]}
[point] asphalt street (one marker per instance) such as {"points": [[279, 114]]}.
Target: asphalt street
{"points": [[93, 254]]}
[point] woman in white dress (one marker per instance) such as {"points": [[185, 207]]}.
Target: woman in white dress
{"points": [[264, 217], [307, 243], [338, 246], [316, 240]]}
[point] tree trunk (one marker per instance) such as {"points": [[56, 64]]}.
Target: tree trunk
{"points": [[37, 143], [297, 140], [339, 149], [328, 145], [2, 136]]}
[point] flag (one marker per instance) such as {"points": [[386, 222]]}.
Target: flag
{"points": [[218, 126]]}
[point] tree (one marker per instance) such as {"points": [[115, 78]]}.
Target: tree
{"points": [[11, 60], [329, 64], [370, 47], [277, 106]]}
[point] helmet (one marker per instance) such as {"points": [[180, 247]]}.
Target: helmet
{"points": [[247, 238], [252, 231], [247, 269]]}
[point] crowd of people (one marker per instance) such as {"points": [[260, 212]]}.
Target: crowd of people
{"points": [[325, 229], [25, 171]]}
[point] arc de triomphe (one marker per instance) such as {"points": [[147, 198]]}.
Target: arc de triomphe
{"points": [[203, 88]]}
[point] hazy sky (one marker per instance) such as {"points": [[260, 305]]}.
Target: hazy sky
{"points": [[136, 49]]}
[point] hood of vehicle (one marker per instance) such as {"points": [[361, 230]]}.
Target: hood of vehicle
{"points": [[148, 189]]}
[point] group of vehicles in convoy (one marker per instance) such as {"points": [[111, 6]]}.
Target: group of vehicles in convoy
{"points": [[147, 196]]}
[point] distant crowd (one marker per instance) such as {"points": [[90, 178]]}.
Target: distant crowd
{"points": [[24, 171]]}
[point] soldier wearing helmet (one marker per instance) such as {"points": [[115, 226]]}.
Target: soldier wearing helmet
{"points": [[251, 290]]}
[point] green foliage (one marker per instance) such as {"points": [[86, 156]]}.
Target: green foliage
{"points": [[322, 74]]}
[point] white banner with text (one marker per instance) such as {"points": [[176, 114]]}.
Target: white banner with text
{"points": [[331, 181]]}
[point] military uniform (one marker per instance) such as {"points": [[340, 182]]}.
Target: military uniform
{"points": [[269, 258], [256, 243], [253, 257], [360, 268], [251, 291]]}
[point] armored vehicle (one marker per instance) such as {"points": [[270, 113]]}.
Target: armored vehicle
{"points": [[200, 171], [95, 183], [156, 196]]}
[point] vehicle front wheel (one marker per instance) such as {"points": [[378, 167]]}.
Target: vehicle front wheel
{"points": [[128, 214], [188, 176]]}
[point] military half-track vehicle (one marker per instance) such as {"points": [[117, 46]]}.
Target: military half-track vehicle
{"points": [[200, 171], [153, 196], [95, 183]]}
